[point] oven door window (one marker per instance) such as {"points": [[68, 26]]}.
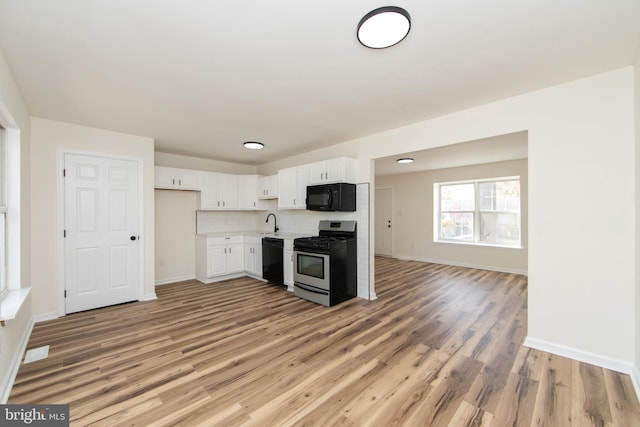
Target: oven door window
{"points": [[311, 265]]}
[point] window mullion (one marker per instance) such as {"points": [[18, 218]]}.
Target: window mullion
{"points": [[476, 216]]}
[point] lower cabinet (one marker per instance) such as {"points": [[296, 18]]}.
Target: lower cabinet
{"points": [[253, 256], [219, 257]]}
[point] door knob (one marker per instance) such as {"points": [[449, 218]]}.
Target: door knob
{"points": [[133, 237]]}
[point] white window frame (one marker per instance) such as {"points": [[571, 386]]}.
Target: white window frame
{"points": [[437, 213], [12, 206], [4, 288]]}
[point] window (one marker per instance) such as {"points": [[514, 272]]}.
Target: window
{"points": [[479, 212], [3, 214]]}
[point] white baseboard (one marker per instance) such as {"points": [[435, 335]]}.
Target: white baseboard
{"points": [[149, 297], [174, 279], [462, 264], [7, 382], [37, 318], [207, 281], [635, 379], [581, 355]]}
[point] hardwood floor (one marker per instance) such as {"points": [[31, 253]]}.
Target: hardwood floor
{"points": [[442, 346]]}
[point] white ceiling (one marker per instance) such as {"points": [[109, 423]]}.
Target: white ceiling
{"points": [[496, 149], [203, 76]]}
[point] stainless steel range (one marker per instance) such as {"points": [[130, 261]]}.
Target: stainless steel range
{"points": [[325, 267]]}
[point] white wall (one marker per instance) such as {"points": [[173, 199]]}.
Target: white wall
{"points": [[187, 162], [13, 336], [636, 82], [413, 218], [48, 138], [175, 229]]}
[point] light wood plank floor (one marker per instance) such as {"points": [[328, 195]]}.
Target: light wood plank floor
{"points": [[442, 346]]}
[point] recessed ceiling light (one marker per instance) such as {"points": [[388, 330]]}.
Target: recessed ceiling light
{"points": [[252, 145], [405, 160], [384, 27]]}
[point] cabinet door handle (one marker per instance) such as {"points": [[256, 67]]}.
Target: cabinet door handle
{"points": [[223, 203], [225, 250], [173, 181], [218, 203], [179, 182], [294, 201]]}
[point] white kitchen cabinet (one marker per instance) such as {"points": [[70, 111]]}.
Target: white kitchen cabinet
{"points": [[234, 258], [219, 191], [292, 187], [216, 260], [219, 257], [248, 193], [268, 187], [226, 258], [287, 188], [288, 264], [341, 169], [176, 179], [253, 256]]}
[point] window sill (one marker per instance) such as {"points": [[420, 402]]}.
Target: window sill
{"points": [[12, 303], [481, 245]]}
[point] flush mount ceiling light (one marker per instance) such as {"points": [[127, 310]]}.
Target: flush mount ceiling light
{"points": [[384, 27], [252, 145], [405, 160]]}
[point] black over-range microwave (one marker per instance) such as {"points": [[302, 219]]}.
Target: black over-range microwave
{"points": [[332, 197]]}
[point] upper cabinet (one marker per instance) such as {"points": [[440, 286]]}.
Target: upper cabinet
{"points": [[268, 187], [247, 194], [341, 169], [177, 179], [222, 191], [292, 187], [219, 191]]}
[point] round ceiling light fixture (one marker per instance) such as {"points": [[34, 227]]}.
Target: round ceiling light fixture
{"points": [[252, 145], [405, 160], [384, 27]]}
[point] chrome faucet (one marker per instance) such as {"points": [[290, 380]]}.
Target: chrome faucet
{"points": [[275, 222]]}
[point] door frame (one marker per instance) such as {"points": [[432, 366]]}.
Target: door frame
{"points": [[393, 221], [62, 309]]}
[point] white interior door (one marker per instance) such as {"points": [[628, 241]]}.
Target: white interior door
{"points": [[384, 231], [101, 232]]}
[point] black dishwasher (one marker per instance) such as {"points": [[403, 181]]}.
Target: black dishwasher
{"points": [[272, 257]]}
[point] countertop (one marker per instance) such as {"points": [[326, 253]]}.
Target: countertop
{"points": [[281, 235]]}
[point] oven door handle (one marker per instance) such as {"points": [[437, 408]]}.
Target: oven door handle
{"points": [[303, 287]]}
